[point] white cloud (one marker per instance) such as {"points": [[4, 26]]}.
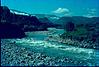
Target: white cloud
{"points": [[88, 15], [61, 10], [91, 12]]}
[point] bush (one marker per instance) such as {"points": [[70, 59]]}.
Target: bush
{"points": [[69, 26], [79, 33]]}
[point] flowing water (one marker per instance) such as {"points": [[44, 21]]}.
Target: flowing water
{"points": [[37, 43]]}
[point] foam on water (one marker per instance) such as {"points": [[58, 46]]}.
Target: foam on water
{"points": [[55, 45]]}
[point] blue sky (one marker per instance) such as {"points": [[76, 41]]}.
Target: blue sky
{"points": [[57, 7]]}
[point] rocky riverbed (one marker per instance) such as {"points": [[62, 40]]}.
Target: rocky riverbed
{"points": [[82, 44], [13, 55], [35, 50]]}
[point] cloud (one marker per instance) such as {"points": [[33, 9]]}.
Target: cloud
{"points": [[91, 12], [88, 15], [61, 10]]}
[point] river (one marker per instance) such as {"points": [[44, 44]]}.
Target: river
{"points": [[37, 43]]}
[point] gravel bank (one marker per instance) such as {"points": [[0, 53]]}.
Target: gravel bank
{"points": [[82, 44], [13, 55]]}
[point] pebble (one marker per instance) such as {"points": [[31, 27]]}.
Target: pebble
{"points": [[41, 64], [23, 61], [24, 57], [75, 62]]}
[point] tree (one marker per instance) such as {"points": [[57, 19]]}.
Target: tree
{"points": [[69, 26]]}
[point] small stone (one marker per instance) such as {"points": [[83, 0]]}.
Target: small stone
{"points": [[29, 54], [75, 62], [23, 62], [38, 57], [67, 61], [41, 64], [94, 47], [44, 56]]}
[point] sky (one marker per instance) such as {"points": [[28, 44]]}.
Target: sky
{"points": [[57, 7]]}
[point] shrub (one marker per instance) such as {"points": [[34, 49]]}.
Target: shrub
{"points": [[69, 26]]}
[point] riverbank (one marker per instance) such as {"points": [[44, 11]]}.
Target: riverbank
{"points": [[13, 55], [81, 44], [15, 52]]}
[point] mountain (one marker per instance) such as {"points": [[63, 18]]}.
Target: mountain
{"points": [[49, 23], [43, 15], [28, 22], [36, 22], [45, 20], [19, 12], [8, 30], [52, 18], [77, 20]]}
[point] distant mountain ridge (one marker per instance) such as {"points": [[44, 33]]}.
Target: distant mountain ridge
{"points": [[61, 20], [37, 15], [77, 20], [56, 19], [24, 20], [17, 11]]}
